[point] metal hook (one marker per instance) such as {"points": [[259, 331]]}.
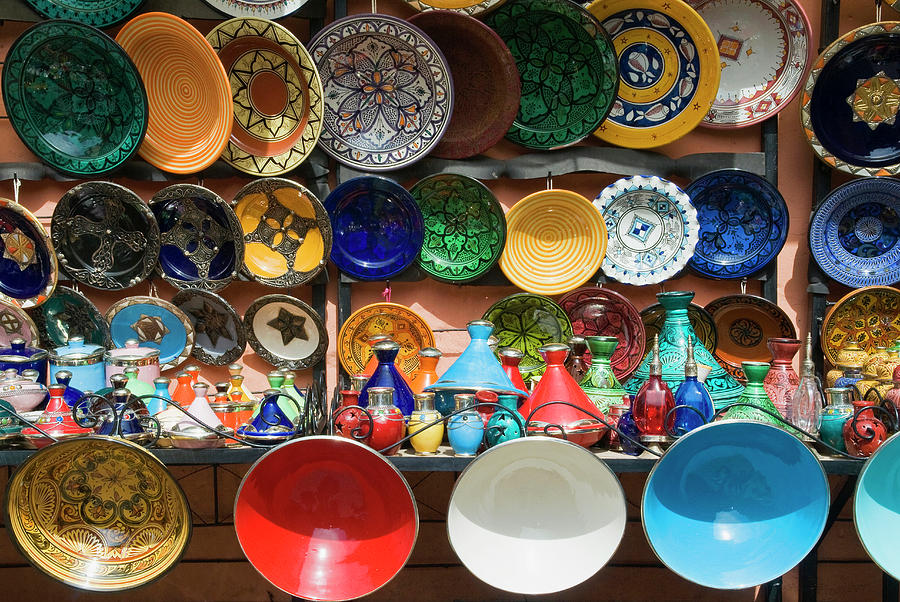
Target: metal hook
{"points": [[386, 293], [17, 183], [200, 180], [374, 6], [877, 11], [549, 180], [153, 291], [743, 286], [662, 287]]}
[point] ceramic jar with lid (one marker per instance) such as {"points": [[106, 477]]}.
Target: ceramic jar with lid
{"points": [[145, 359], [850, 353], [84, 361], [20, 357]]}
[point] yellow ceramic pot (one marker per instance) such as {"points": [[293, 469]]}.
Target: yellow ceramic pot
{"points": [[428, 441]]}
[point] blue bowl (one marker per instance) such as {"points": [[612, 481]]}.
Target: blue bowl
{"points": [[876, 507], [735, 504]]}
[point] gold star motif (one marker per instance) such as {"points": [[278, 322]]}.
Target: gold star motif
{"points": [[150, 329], [876, 100], [18, 247], [291, 326], [10, 322]]}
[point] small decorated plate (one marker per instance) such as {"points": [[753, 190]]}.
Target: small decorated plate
{"points": [[765, 48], [568, 68], [602, 311], [652, 229], [854, 234], [105, 236], [155, 323], [97, 13], [467, 7], [527, 322], [286, 332], [484, 108], [219, 337], [465, 228], [870, 316], [743, 223], [202, 244], [266, 9], [378, 228], [15, 323], [66, 314], [28, 267], [287, 234], [190, 96], [388, 91], [555, 241], [744, 324], [403, 325], [74, 97], [277, 95], [850, 101], [668, 70], [702, 322]]}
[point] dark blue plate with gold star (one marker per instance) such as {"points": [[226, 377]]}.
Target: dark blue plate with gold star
{"points": [[219, 337], [28, 268], [286, 332], [66, 314], [154, 323]]}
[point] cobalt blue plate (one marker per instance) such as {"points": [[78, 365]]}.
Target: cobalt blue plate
{"points": [[28, 267], [855, 233], [377, 226], [743, 223], [154, 323]]}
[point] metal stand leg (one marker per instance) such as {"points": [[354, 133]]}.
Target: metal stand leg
{"points": [[889, 588], [773, 590]]}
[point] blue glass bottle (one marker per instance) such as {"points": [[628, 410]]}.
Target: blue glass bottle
{"points": [[160, 389], [628, 427], [465, 430], [270, 425], [693, 394], [387, 375], [504, 425]]}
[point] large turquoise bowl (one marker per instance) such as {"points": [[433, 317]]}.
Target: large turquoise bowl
{"points": [[876, 508]]}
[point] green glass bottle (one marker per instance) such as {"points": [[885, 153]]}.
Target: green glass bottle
{"points": [[600, 383], [755, 393]]}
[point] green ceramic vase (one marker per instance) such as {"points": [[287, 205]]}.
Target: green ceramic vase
{"points": [[755, 393], [600, 383]]}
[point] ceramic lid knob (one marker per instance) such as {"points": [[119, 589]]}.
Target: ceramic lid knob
{"points": [[131, 344], [200, 389], [424, 401], [430, 352], [162, 380], [18, 344], [31, 374], [118, 381], [464, 400], [63, 377], [555, 353], [222, 387]]}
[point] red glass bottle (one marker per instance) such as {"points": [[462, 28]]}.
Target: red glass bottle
{"points": [[388, 425], [653, 402]]}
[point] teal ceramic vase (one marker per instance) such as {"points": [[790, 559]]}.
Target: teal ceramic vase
{"points": [[833, 417], [504, 425], [755, 393], [600, 383]]}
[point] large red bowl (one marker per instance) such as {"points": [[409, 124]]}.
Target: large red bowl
{"points": [[325, 518]]}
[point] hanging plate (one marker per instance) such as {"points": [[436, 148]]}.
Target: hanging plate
{"points": [[850, 101], [465, 228], [765, 49], [484, 108], [702, 322], [388, 91], [527, 322], [97, 13], [154, 323], [378, 229], [743, 223], [286, 332], [66, 314], [202, 244], [287, 234], [403, 325], [15, 323], [555, 242], [870, 316], [74, 97], [219, 337], [28, 267], [567, 64], [854, 234], [601, 311], [105, 235], [266, 9], [190, 97], [277, 96], [467, 7], [652, 229], [668, 69], [744, 324]]}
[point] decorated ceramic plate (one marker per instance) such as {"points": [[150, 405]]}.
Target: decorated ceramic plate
{"points": [[105, 235], [388, 91], [765, 49], [854, 234], [97, 13], [466, 7], [190, 97], [403, 325], [378, 228], [555, 241], [602, 311], [527, 322], [287, 234], [744, 324], [486, 106], [568, 69], [155, 323], [702, 322], [66, 314], [122, 522], [465, 228], [219, 337], [743, 223], [870, 316], [286, 332], [202, 244], [668, 70], [74, 97], [277, 96], [265, 9], [652, 229], [28, 266], [15, 323]]}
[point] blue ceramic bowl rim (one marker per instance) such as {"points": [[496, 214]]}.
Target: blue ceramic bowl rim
{"points": [[892, 440]]}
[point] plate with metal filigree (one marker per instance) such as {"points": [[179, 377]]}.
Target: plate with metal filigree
{"points": [[287, 233], [267, 9], [98, 13], [105, 236], [473, 8], [155, 323], [219, 337], [201, 241], [286, 332], [653, 317], [28, 266], [66, 314]]}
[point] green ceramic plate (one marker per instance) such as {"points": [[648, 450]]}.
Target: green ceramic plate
{"points": [[568, 66], [74, 97], [99, 13], [465, 229], [527, 322], [68, 313]]}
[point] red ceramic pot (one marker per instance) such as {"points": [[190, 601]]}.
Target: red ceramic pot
{"points": [[893, 395], [388, 428], [867, 434], [351, 423], [485, 411], [781, 381]]}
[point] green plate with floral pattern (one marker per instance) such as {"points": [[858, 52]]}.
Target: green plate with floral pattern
{"points": [[568, 66], [465, 228], [99, 13], [74, 97], [527, 322]]}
